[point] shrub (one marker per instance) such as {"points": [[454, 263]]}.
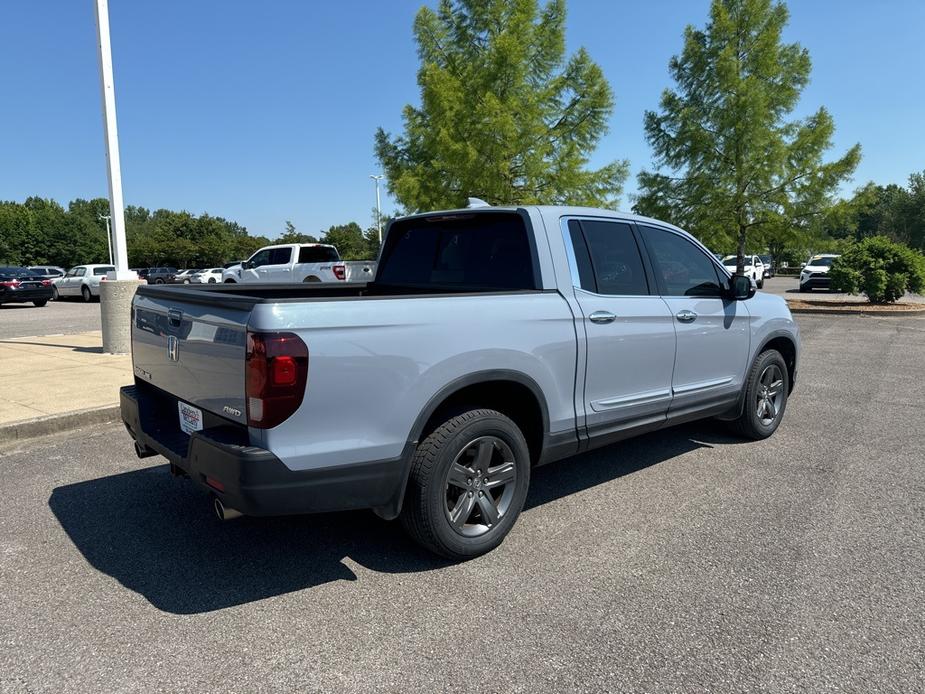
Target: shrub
{"points": [[880, 268]]}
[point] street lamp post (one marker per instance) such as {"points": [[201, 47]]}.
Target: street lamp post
{"points": [[108, 234], [377, 178]]}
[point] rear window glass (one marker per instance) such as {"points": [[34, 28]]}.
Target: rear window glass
{"points": [[463, 251], [318, 254], [102, 270], [13, 271]]}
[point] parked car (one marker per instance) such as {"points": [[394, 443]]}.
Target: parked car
{"points": [[815, 272], [492, 340], [291, 262], [21, 285], [49, 272], [208, 276], [769, 266], [184, 276], [754, 268], [82, 280], [161, 275], [142, 272]]}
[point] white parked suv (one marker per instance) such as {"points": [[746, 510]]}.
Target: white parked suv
{"points": [[815, 272], [290, 262], [82, 280], [754, 267]]}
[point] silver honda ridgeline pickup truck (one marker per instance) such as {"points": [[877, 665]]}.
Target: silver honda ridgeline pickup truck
{"points": [[492, 340]]}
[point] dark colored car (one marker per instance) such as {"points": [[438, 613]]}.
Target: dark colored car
{"points": [[161, 275], [49, 272], [142, 272], [20, 285]]}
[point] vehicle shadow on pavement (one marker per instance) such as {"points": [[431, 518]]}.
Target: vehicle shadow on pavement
{"points": [[73, 348], [157, 536]]}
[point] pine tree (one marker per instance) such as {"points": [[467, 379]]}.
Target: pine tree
{"points": [[504, 116], [733, 166]]}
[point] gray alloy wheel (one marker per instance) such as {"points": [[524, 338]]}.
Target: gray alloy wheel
{"points": [[480, 486], [211, 280], [467, 485], [85, 293], [770, 394], [766, 389], [54, 293]]}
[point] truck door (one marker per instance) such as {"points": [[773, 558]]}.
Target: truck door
{"points": [[712, 329], [629, 330]]}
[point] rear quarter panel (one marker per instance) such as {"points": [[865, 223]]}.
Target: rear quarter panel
{"points": [[374, 364]]}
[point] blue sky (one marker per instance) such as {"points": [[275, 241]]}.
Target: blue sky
{"points": [[265, 111]]}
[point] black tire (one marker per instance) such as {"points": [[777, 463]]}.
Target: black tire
{"points": [[426, 514], [761, 283], [158, 281], [230, 281], [40, 303], [54, 293], [212, 280], [771, 368], [805, 289], [85, 293], [311, 278]]}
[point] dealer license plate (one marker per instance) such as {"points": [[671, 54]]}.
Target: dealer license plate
{"points": [[190, 418]]}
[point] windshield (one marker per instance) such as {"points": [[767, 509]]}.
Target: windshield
{"points": [[824, 262]]}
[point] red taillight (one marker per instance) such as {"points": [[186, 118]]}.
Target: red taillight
{"points": [[10, 283], [46, 283], [276, 373], [340, 271]]}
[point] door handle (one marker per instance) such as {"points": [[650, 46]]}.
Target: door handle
{"points": [[686, 316], [602, 317]]}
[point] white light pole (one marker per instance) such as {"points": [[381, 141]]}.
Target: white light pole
{"points": [[377, 178], [113, 168], [108, 235], [117, 291]]}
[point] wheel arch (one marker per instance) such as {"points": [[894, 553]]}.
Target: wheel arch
{"points": [[512, 393]]}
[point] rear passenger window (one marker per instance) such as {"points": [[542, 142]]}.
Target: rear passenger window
{"points": [[607, 258], [318, 254], [681, 268]]}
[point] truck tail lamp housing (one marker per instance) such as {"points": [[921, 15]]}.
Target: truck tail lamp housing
{"points": [[340, 271], [276, 373]]}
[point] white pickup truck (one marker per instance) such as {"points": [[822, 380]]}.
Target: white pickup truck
{"points": [[491, 340], [298, 262]]}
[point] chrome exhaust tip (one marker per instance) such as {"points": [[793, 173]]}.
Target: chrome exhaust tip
{"points": [[223, 512]]}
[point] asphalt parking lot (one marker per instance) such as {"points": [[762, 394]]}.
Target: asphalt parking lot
{"points": [[684, 561], [67, 316]]}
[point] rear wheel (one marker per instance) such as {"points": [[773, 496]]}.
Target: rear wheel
{"points": [[766, 391], [311, 278], [468, 483], [761, 283], [158, 281], [212, 280], [85, 293], [40, 303]]}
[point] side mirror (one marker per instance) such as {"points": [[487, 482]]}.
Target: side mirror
{"points": [[802, 265], [247, 264], [741, 287]]}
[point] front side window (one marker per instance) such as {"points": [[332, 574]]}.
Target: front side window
{"points": [[608, 258], [681, 268], [260, 258]]}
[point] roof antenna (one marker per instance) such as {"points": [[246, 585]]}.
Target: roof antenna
{"points": [[477, 202]]}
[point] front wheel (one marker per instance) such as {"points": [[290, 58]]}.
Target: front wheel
{"points": [[85, 293], [766, 391], [761, 283], [54, 293], [212, 280], [468, 483]]}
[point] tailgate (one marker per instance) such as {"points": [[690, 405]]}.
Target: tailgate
{"points": [[193, 351]]}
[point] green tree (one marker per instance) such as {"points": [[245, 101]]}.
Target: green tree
{"points": [[504, 115], [880, 268], [292, 235], [349, 239], [731, 164]]}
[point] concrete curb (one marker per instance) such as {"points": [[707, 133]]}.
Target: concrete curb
{"points": [[53, 423], [862, 312]]}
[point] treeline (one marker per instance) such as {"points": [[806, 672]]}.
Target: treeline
{"points": [[40, 231]]}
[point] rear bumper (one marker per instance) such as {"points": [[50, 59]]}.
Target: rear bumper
{"points": [[252, 480], [22, 296]]}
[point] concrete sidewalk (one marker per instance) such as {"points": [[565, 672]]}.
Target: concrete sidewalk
{"points": [[56, 382]]}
